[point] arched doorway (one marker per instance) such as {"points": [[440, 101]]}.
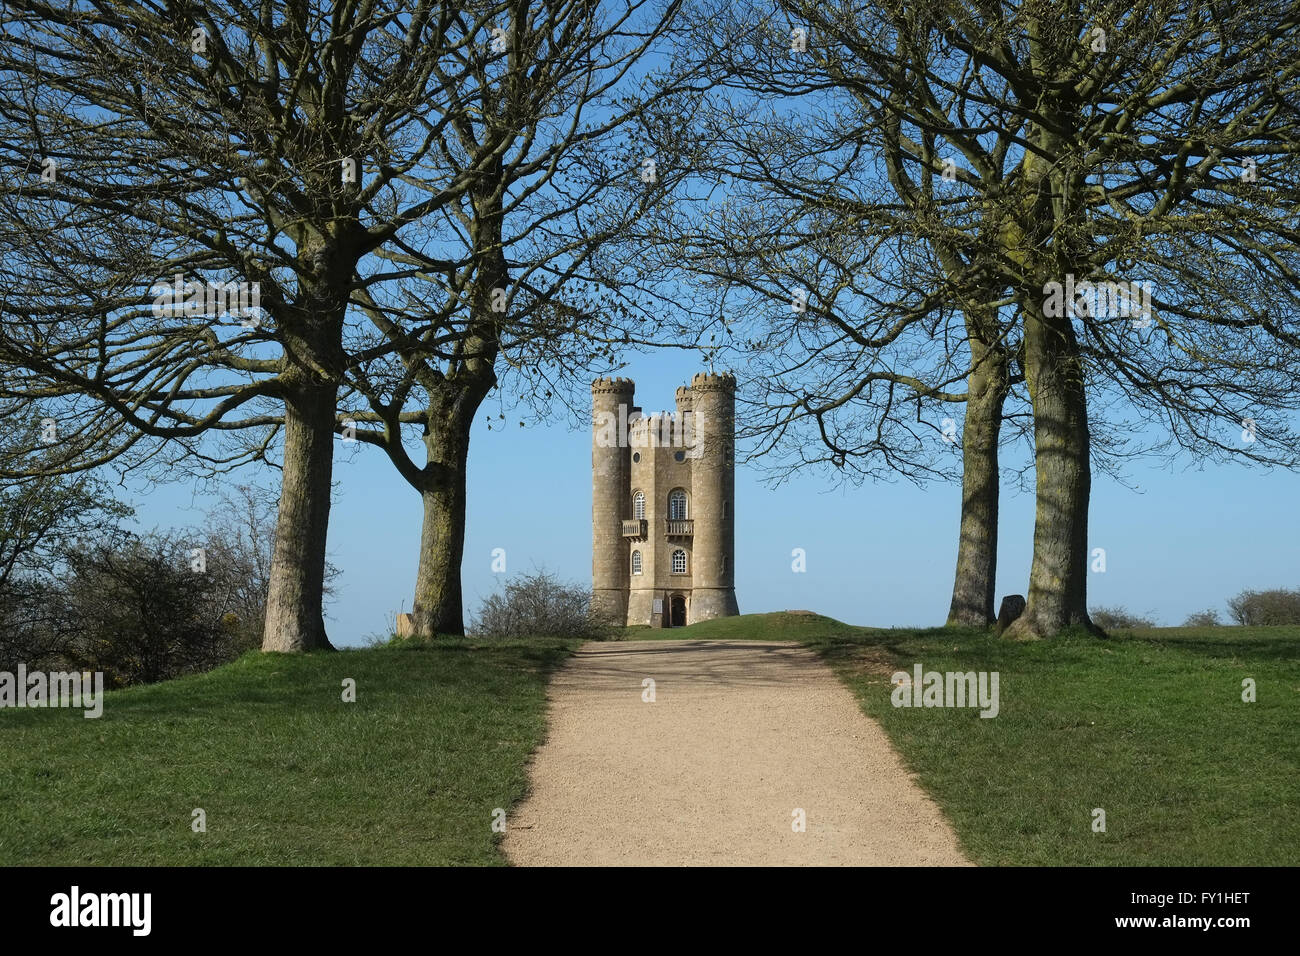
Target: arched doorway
{"points": [[677, 606]]}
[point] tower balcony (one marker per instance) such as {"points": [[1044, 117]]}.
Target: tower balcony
{"points": [[634, 527], [679, 527]]}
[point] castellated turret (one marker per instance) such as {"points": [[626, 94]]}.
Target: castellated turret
{"points": [[610, 467], [715, 493], [663, 504]]}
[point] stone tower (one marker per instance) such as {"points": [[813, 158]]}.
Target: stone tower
{"points": [[663, 504], [610, 468]]}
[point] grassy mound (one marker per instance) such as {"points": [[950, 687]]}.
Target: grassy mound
{"points": [[1149, 727], [286, 772]]}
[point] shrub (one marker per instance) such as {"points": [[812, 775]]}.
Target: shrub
{"points": [[41, 518], [77, 592], [28, 624], [539, 605], [1263, 608], [1118, 618], [1206, 618], [141, 609]]}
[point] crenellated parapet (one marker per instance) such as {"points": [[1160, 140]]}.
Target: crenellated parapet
{"points": [[713, 382], [613, 386], [660, 429]]}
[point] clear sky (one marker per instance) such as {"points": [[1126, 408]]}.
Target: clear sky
{"points": [[877, 554]]}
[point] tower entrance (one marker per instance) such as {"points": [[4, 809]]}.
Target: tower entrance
{"points": [[677, 611]]}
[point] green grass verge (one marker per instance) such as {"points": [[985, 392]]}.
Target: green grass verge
{"points": [[1148, 725], [287, 773]]}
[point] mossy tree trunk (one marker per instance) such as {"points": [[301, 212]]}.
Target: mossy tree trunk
{"points": [[454, 399], [294, 619], [312, 370], [1040, 240], [1058, 576], [438, 607], [977, 550]]}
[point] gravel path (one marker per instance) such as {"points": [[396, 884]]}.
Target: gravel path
{"points": [[739, 736]]}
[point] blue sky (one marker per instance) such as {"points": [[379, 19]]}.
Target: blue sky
{"points": [[877, 554]]}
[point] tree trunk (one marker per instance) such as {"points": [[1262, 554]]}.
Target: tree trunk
{"points": [[294, 621], [977, 551], [453, 403], [1058, 577], [438, 605], [454, 400]]}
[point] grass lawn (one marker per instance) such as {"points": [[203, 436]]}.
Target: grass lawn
{"points": [[287, 773], [1148, 726]]}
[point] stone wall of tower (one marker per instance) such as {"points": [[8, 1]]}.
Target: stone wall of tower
{"points": [[643, 587], [713, 481], [610, 492], [659, 466]]}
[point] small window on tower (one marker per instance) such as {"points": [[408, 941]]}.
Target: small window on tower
{"points": [[679, 561], [638, 505], [636, 562]]}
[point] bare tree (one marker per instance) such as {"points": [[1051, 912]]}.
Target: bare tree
{"points": [[525, 276], [278, 144], [1043, 152], [41, 516], [876, 321]]}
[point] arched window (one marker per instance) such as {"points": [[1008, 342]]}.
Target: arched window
{"points": [[636, 562], [677, 505], [679, 561], [638, 505]]}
